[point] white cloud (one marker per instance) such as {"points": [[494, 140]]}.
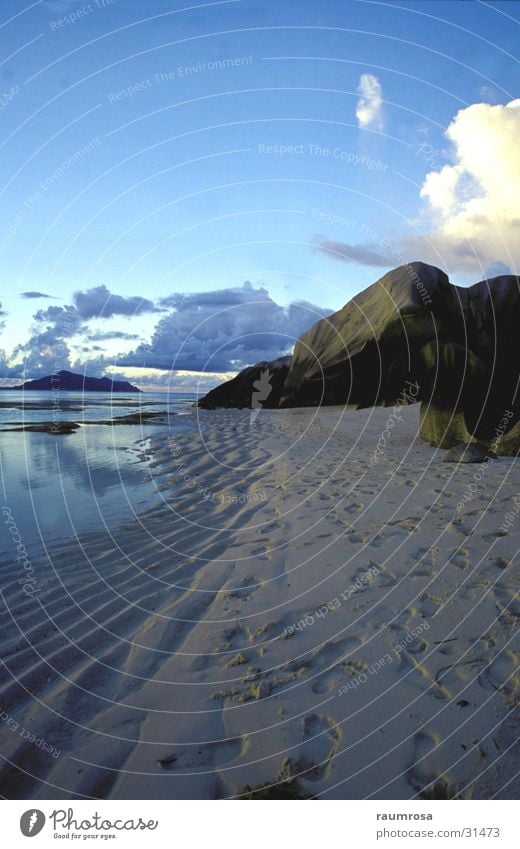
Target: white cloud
{"points": [[473, 205], [368, 110]]}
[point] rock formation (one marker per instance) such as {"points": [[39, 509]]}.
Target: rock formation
{"points": [[260, 385], [460, 345]]}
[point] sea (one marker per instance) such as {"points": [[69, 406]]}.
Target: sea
{"points": [[59, 485]]}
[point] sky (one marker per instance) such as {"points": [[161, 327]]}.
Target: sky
{"points": [[186, 187]]}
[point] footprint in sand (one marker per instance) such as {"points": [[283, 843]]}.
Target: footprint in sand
{"points": [[355, 538], [502, 675], [378, 540], [458, 676], [429, 604], [489, 538], [474, 590], [508, 603], [416, 671], [204, 757], [426, 767], [460, 558], [383, 577], [408, 524], [449, 647], [327, 682], [321, 737], [500, 562], [243, 590], [425, 559], [355, 507], [237, 637], [329, 679], [417, 646]]}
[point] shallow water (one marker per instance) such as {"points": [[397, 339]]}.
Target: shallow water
{"points": [[27, 407], [59, 485]]}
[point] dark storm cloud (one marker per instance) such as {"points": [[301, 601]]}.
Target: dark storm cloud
{"points": [[102, 336], [218, 298], [223, 330], [99, 302], [217, 331]]}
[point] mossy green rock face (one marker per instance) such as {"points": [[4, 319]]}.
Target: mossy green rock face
{"points": [[449, 375], [442, 427], [460, 346], [363, 353], [509, 444], [475, 452]]}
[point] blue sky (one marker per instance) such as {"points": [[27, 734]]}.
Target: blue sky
{"points": [[192, 185]]}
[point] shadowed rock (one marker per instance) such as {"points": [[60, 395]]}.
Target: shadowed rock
{"points": [[474, 452], [450, 377], [461, 346], [363, 353], [256, 386]]}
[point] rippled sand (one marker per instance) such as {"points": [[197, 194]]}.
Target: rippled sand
{"points": [[289, 610]]}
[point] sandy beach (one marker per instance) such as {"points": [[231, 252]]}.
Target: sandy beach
{"points": [[298, 609]]}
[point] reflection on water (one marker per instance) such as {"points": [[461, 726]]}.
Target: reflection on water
{"points": [[27, 407], [57, 486]]}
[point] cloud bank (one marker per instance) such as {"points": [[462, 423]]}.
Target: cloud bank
{"points": [[208, 332], [472, 208], [99, 302], [223, 330]]}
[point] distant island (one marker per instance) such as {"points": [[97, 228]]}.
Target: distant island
{"points": [[67, 381]]}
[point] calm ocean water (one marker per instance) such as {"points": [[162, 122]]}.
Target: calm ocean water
{"points": [[59, 485]]}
